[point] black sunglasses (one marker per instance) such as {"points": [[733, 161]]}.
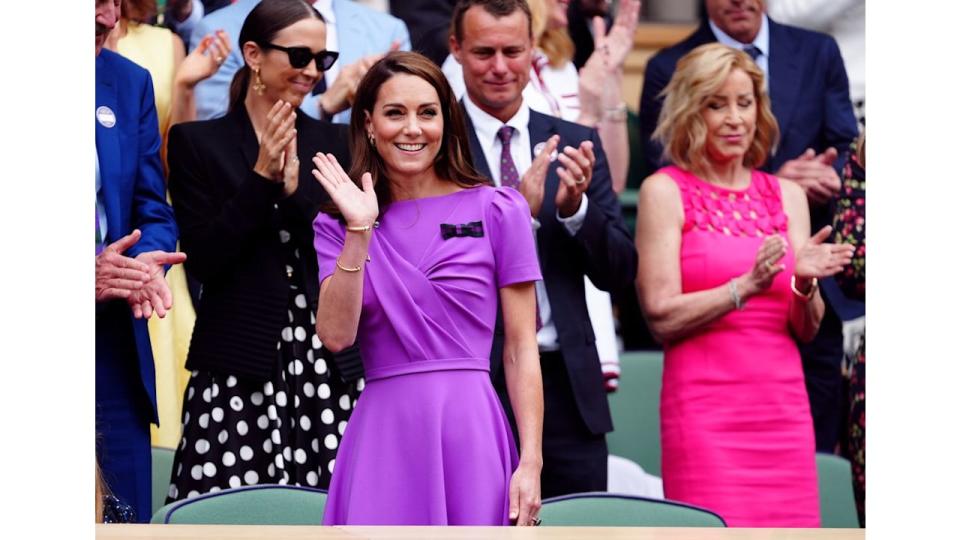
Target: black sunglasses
{"points": [[300, 57]]}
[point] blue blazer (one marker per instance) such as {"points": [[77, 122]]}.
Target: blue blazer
{"points": [[361, 31], [602, 249], [132, 186], [808, 90]]}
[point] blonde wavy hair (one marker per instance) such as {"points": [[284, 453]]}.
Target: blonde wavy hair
{"points": [[555, 43], [700, 74]]}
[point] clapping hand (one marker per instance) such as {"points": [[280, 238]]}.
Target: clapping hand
{"points": [[600, 77], [575, 174], [533, 181], [814, 173], [119, 276], [359, 207], [155, 294], [277, 159], [204, 60], [767, 264], [816, 259]]}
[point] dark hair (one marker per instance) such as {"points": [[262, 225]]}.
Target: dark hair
{"points": [[141, 11], [266, 20], [497, 8], [453, 162]]}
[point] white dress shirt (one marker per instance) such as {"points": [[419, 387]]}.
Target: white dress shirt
{"points": [[486, 128], [761, 42], [325, 7]]}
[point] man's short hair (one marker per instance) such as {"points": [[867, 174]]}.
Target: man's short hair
{"points": [[497, 8]]}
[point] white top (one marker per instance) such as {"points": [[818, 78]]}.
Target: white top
{"points": [[325, 7]]}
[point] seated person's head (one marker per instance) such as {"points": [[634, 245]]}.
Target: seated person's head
{"points": [[739, 19]]}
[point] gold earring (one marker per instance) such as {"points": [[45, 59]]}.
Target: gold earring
{"points": [[258, 85], [370, 138]]}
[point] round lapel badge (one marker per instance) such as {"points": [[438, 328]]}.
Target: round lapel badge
{"points": [[106, 117], [539, 148]]}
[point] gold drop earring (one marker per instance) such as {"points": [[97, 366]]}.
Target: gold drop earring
{"points": [[258, 85]]}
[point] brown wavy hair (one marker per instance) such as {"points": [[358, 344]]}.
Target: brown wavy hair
{"points": [[699, 74], [453, 162]]}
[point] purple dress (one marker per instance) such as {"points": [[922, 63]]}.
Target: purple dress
{"points": [[428, 442]]}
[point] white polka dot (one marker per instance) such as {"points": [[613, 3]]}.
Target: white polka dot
{"points": [[193, 493], [360, 384], [246, 453], [228, 459], [293, 423], [217, 414], [234, 481], [278, 461], [206, 395], [310, 355], [202, 446], [275, 436], [296, 367], [214, 390], [287, 334], [305, 423], [300, 333], [204, 420], [287, 454], [267, 446], [345, 402], [268, 388], [320, 366], [296, 401], [271, 470], [183, 443], [289, 270], [231, 381], [262, 421], [214, 489], [323, 391], [272, 412], [315, 445], [251, 477], [186, 417], [326, 416], [300, 456], [289, 316], [179, 468], [286, 477], [223, 436], [330, 441], [256, 398], [342, 426], [196, 472], [330, 465], [209, 469], [194, 373], [241, 428], [315, 341], [300, 301], [281, 399], [174, 492], [312, 478], [283, 480], [190, 393], [313, 319], [284, 237], [236, 403]]}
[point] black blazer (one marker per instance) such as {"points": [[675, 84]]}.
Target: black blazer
{"points": [[602, 249], [230, 218]]}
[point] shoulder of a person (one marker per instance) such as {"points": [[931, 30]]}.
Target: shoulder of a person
{"points": [[327, 136], [804, 35], [568, 129], [118, 63], [790, 191], [659, 186], [367, 14], [203, 132]]}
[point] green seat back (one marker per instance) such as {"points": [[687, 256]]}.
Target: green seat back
{"points": [[162, 464], [837, 506], [252, 505], [608, 510], [635, 408]]}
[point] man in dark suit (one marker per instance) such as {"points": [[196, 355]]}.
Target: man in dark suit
{"points": [[809, 92], [429, 25], [136, 234], [579, 232]]}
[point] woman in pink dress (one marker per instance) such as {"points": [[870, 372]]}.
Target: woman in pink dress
{"points": [[728, 282]]}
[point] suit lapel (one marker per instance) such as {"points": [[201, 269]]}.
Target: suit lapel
{"points": [[784, 77], [479, 157], [108, 152], [249, 146]]}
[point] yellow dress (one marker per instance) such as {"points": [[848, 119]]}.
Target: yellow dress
{"points": [[151, 47]]}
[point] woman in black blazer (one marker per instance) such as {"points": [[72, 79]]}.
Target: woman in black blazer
{"points": [[262, 404]]}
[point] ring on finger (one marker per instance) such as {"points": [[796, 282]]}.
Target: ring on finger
{"points": [[535, 522], [582, 179], [768, 264]]}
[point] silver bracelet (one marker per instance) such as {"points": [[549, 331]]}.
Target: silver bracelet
{"points": [[735, 295]]}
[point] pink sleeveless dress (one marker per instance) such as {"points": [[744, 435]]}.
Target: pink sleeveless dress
{"points": [[735, 420]]}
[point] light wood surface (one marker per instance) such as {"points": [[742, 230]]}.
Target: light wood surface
{"points": [[649, 38], [217, 532]]}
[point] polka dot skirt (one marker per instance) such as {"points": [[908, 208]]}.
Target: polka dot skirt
{"points": [[239, 432]]}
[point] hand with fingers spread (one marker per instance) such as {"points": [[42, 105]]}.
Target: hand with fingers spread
{"points": [[815, 259], [204, 60], [277, 159], [339, 96], [154, 296], [359, 207], [814, 173], [575, 173], [118, 276], [525, 495], [600, 77], [766, 266], [533, 181]]}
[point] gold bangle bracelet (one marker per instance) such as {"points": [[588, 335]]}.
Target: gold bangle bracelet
{"points": [[809, 294], [351, 270], [361, 228]]}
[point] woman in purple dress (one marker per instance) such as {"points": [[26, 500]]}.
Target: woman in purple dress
{"points": [[414, 254]]}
